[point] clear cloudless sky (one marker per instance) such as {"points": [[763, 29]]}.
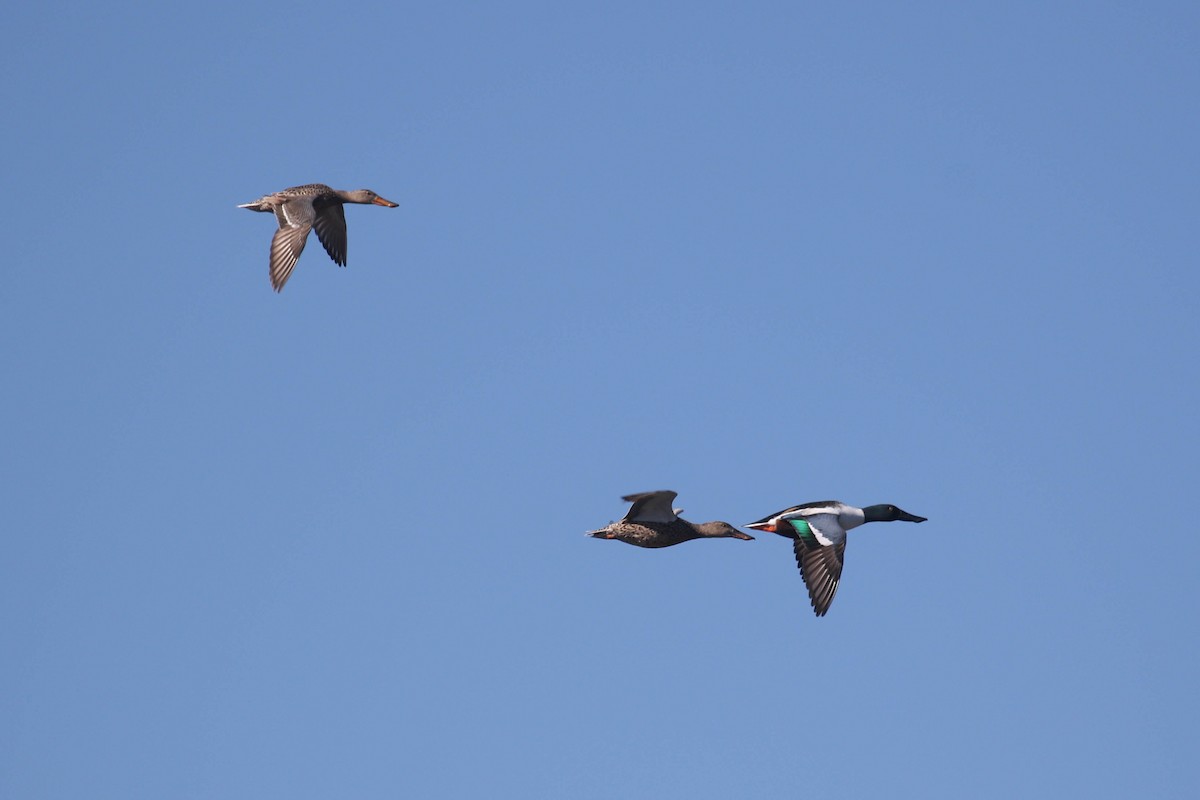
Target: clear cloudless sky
{"points": [[328, 543]]}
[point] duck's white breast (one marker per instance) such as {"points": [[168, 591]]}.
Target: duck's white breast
{"points": [[850, 517]]}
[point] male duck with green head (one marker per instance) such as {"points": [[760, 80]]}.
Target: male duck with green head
{"points": [[818, 531]]}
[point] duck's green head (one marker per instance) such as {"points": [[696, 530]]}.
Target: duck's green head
{"points": [[889, 513]]}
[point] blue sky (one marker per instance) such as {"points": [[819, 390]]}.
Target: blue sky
{"points": [[329, 543]]}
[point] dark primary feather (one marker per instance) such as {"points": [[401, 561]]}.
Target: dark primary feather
{"points": [[330, 225], [821, 569]]}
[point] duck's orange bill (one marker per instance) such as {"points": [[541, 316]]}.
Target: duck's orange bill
{"points": [[379, 201], [761, 526]]}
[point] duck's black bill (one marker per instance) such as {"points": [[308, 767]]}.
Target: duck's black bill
{"points": [[907, 517]]}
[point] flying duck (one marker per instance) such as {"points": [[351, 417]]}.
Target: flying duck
{"points": [[653, 522], [818, 531], [299, 210]]}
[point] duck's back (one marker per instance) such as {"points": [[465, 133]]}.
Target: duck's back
{"points": [[653, 534]]}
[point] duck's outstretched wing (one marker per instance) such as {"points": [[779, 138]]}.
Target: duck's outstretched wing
{"points": [[330, 224], [651, 506], [821, 568], [820, 547], [295, 221]]}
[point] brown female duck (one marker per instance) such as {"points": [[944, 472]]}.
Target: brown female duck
{"points": [[299, 210], [652, 522]]}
